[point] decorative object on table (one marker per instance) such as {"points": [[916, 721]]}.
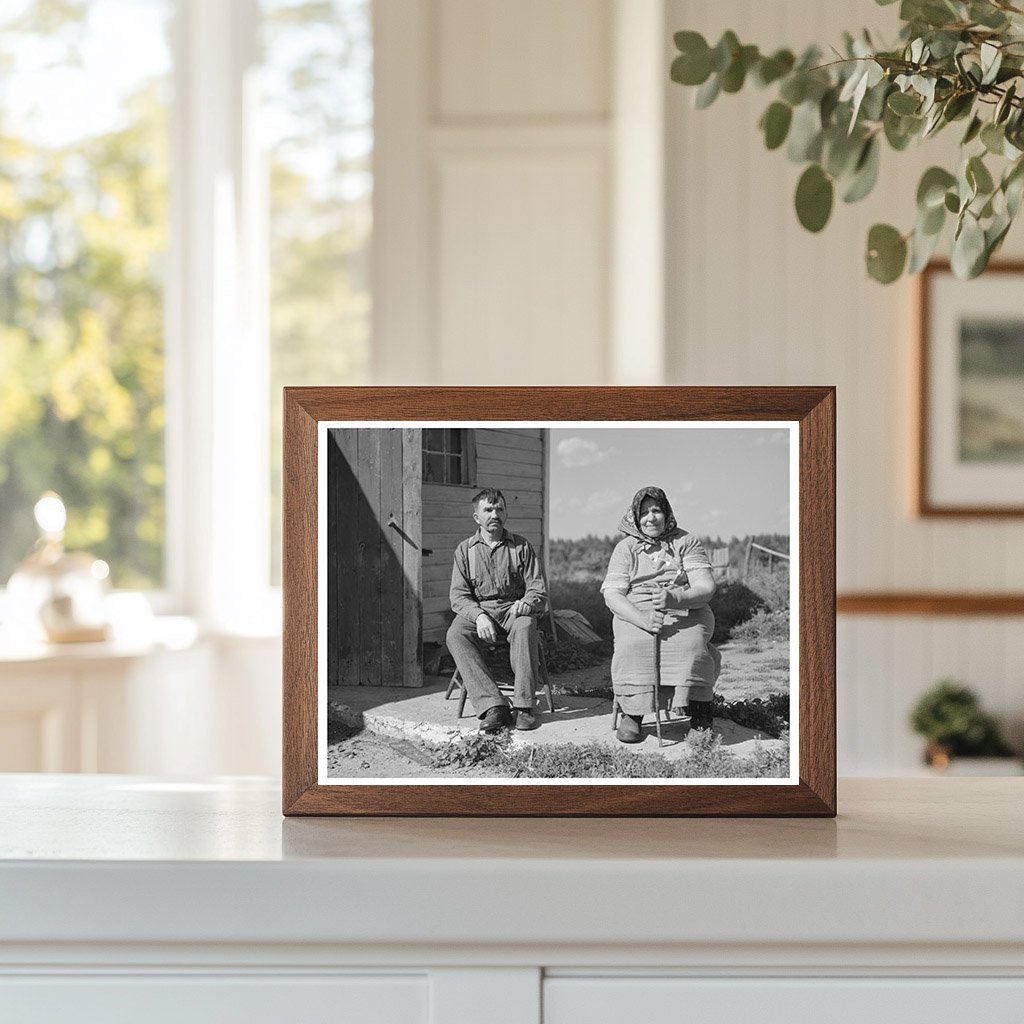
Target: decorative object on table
{"points": [[54, 593], [950, 717], [956, 61], [970, 422], [383, 485]]}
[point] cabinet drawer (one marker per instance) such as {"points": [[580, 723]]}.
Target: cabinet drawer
{"points": [[202, 999], [569, 1000]]}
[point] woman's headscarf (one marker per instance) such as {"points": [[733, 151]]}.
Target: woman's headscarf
{"points": [[629, 524]]}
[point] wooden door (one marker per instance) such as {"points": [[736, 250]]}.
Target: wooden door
{"points": [[373, 557]]}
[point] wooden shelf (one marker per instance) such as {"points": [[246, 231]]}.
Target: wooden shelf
{"points": [[928, 603]]}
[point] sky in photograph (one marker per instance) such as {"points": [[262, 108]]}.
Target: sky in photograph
{"points": [[721, 481]]}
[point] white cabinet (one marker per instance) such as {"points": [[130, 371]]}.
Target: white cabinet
{"points": [[129, 897], [202, 999], [823, 1000]]}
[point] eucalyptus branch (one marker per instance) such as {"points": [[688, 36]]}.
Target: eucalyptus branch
{"points": [[833, 118]]}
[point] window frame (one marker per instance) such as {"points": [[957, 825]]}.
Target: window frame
{"points": [[467, 457]]}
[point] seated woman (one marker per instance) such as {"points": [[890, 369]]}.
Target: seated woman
{"points": [[658, 585]]}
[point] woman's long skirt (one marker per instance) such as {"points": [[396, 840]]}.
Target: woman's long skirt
{"points": [[686, 658]]}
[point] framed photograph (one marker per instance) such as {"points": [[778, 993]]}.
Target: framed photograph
{"points": [[970, 423], [559, 601]]}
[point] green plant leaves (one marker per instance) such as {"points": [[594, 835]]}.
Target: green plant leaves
{"points": [[805, 133], [969, 254], [775, 122], [956, 60], [993, 138], [693, 65], [771, 69], [865, 173], [904, 103], [814, 195], [978, 176], [931, 191], [887, 253]]}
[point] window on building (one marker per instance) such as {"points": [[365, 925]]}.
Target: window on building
{"points": [[447, 456]]}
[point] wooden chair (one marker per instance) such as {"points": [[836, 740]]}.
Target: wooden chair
{"points": [[502, 645]]}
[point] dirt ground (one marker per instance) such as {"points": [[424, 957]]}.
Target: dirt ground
{"points": [[746, 673]]}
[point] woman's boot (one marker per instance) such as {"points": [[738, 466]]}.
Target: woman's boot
{"points": [[700, 714]]}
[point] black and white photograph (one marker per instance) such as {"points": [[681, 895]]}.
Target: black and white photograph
{"points": [[523, 602]]}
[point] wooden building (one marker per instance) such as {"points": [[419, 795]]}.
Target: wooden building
{"points": [[399, 501]]}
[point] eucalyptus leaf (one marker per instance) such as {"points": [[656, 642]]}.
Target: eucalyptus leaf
{"points": [[934, 121], [886, 253], [1004, 106], [805, 133], [900, 130], [958, 105], [931, 190], [1013, 191], [775, 123], [735, 74], [932, 221], [725, 50], [794, 88], [771, 69], [873, 106], [840, 152], [707, 93], [972, 132], [952, 202], [987, 15], [968, 247], [922, 248], [978, 176], [991, 60], [693, 65], [993, 138], [865, 174], [814, 195], [903, 103]]}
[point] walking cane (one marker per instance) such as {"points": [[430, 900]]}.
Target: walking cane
{"points": [[657, 686]]}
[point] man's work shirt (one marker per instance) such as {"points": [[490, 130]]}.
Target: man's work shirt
{"points": [[486, 579]]}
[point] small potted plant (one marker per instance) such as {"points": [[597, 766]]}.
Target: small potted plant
{"points": [[950, 717]]}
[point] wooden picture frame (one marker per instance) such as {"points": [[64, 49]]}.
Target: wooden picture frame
{"points": [[969, 446], [804, 415]]}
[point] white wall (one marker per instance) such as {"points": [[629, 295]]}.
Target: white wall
{"points": [[755, 299]]}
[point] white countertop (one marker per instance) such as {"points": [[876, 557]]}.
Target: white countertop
{"points": [[124, 859]]}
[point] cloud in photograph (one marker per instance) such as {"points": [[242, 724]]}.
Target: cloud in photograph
{"points": [[577, 451], [601, 501]]}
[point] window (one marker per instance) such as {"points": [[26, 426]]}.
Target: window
{"points": [[83, 239], [447, 456], [185, 227], [317, 127]]}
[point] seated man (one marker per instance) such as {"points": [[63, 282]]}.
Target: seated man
{"points": [[497, 590]]}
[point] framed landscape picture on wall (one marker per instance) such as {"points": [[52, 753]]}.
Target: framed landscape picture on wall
{"points": [[970, 422], [559, 601]]}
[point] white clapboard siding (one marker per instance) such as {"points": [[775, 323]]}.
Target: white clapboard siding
{"points": [[753, 299], [513, 461]]}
